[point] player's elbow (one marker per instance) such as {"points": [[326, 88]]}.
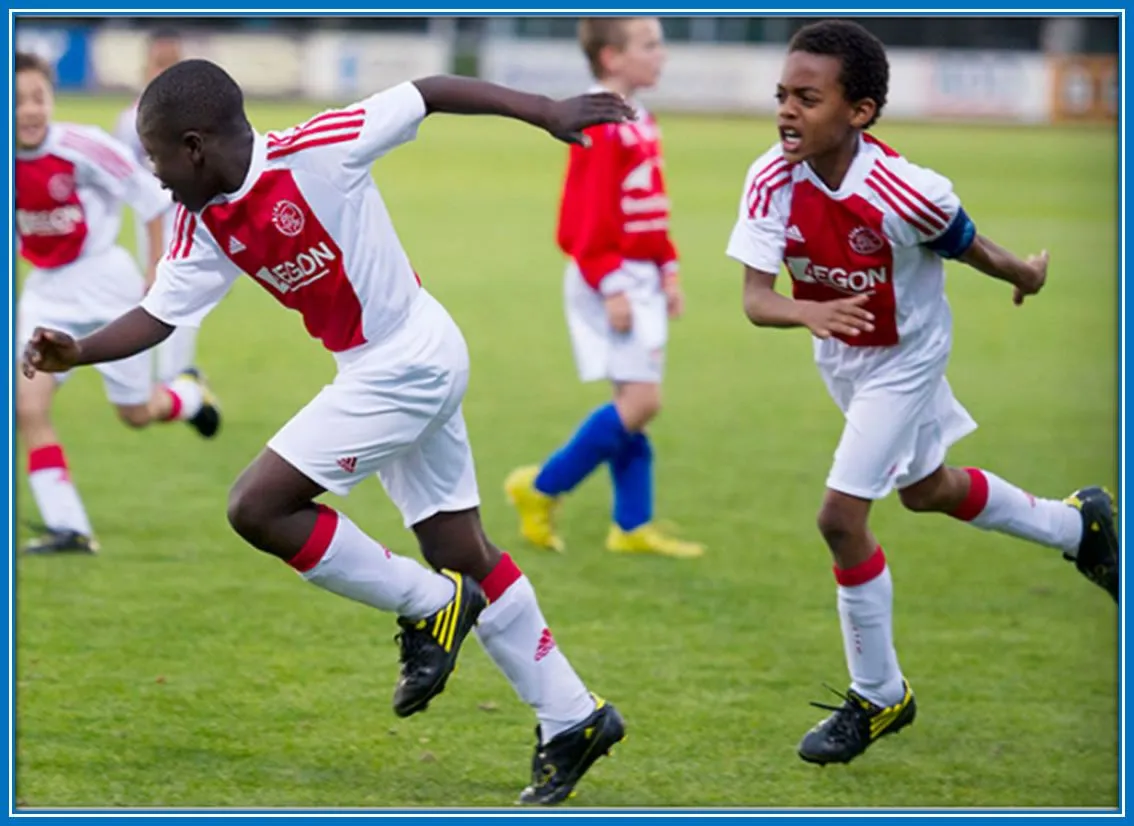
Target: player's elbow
{"points": [[755, 305]]}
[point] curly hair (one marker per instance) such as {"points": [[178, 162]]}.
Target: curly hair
{"points": [[865, 72]]}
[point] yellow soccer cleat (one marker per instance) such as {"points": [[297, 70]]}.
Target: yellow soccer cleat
{"points": [[537, 510], [650, 539]]}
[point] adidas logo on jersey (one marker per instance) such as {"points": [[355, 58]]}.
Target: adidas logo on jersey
{"points": [[348, 463], [792, 233], [234, 246]]}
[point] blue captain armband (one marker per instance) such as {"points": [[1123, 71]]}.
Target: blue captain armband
{"points": [[957, 238]]}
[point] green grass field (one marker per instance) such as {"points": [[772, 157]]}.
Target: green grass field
{"points": [[182, 668]]}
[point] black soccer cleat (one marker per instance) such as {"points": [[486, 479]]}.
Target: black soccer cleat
{"points": [[853, 726], [61, 542], [429, 647], [1097, 559], [559, 764], [207, 420]]}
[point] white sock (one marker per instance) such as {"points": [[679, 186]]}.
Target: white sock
{"points": [[515, 635], [996, 505], [340, 558], [176, 353], [55, 495], [866, 613], [185, 397]]}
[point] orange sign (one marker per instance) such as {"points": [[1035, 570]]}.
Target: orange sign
{"points": [[1084, 88]]}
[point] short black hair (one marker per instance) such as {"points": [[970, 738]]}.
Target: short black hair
{"points": [[30, 62], [195, 95], [865, 72]]}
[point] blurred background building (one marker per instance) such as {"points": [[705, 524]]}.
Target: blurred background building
{"points": [[1015, 69]]}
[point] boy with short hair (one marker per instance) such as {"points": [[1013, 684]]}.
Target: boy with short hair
{"points": [[620, 289]]}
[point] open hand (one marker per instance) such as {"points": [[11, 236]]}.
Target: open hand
{"points": [[49, 351], [566, 119], [842, 317]]}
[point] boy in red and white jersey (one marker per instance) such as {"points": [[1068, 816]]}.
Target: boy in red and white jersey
{"points": [[299, 213], [620, 289], [863, 234], [71, 184]]}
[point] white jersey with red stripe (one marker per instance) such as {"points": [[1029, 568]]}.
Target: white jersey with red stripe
{"points": [[69, 197], [70, 191], [883, 233], [126, 131], [309, 226]]}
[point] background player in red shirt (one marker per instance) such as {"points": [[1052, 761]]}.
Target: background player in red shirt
{"points": [[71, 184], [300, 214], [620, 288], [863, 233]]}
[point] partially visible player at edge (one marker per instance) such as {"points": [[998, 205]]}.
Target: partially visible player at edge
{"points": [[299, 211], [177, 354], [620, 287], [71, 184], [863, 233]]}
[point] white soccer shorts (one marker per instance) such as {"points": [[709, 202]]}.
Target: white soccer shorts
{"points": [[394, 410], [601, 353], [80, 298], [897, 431]]}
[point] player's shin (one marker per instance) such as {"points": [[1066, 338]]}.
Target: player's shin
{"points": [[632, 474], [599, 438], [865, 597], [340, 558], [996, 505], [55, 495], [515, 635]]}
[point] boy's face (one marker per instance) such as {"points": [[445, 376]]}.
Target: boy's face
{"points": [[814, 116], [639, 63], [35, 101], [180, 163], [162, 53]]}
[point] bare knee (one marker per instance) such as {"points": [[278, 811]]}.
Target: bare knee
{"points": [[842, 520], [249, 514], [836, 526], [638, 403], [134, 415]]}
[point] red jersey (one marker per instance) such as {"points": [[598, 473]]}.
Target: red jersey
{"points": [[614, 206]]}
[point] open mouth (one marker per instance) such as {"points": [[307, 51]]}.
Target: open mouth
{"points": [[790, 139]]}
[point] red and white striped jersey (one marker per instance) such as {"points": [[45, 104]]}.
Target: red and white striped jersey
{"points": [[308, 225], [70, 191], [614, 206], [883, 233]]}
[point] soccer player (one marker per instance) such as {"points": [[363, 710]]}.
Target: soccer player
{"points": [[620, 289], [71, 183], [863, 233], [177, 354], [299, 212]]}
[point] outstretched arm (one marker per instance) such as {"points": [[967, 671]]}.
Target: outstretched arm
{"points": [[767, 308], [565, 119], [988, 257], [52, 351]]}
